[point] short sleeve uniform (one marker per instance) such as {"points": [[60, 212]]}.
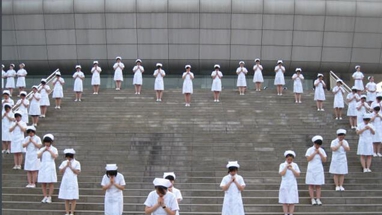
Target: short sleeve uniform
{"points": [[159, 82], [96, 77], [352, 110], [338, 97], [361, 111], [216, 82], [258, 75], [315, 171], [377, 123], [178, 196], [44, 101], [3, 75], [339, 162], [297, 83], [233, 202], [118, 75], [47, 172], [358, 76], [241, 80], [17, 138], [69, 183], [34, 108], [169, 200], [371, 96], [5, 125], [365, 141], [32, 162], [113, 195], [23, 109], [279, 77], [78, 83], [187, 83], [10, 79], [138, 79], [58, 91], [319, 91], [288, 193], [21, 80]]}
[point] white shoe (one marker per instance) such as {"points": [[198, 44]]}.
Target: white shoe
{"points": [[314, 202], [318, 202], [318, 109], [299, 102], [375, 155], [322, 109], [79, 100], [364, 170], [296, 101], [136, 93], [342, 188], [160, 100], [28, 186], [58, 107], [3, 151], [19, 167], [94, 93], [33, 186], [340, 118], [49, 199], [44, 199], [338, 188], [139, 93], [336, 118], [42, 116], [55, 107], [8, 152], [368, 170], [75, 100], [217, 100], [15, 167], [379, 154], [35, 125]]}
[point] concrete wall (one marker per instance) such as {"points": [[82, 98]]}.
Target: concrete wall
{"points": [[317, 35]]}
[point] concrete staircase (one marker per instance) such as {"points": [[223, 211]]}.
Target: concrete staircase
{"points": [[146, 138]]}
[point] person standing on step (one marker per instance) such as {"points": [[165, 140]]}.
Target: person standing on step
{"points": [[17, 129], [232, 185], [376, 120], [362, 108], [352, 98], [69, 191], [32, 144], [366, 131], [319, 91], [21, 74], [11, 74], [371, 89], [216, 87], [47, 175], [118, 75], [339, 164], [241, 83], [96, 77], [258, 74], [3, 76], [7, 99], [178, 195], [58, 91], [187, 88], [23, 105], [7, 119], [377, 101], [358, 77], [113, 183], [138, 79], [338, 103], [159, 74], [78, 88], [44, 101], [34, 109], [279, 77], [315, 176], [288, 193], [160, 201], [297, 85]]}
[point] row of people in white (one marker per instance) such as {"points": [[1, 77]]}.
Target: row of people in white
{"points": [[10, 76]]}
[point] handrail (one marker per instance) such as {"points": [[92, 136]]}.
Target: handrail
{"points": [[333, 82], [49, 80]]}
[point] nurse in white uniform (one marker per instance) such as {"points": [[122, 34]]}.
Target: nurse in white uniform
{"points": [[11, 74], [118, 75], [232, 185], [188, 88], [362, 107], [279, 78], [315, 176], [32, 143], [44, 101], [358, 77], [338, 103], [319, 92], [78, 88], [96, 77], [352, 98], [34, 108], [159, 74], [366, 131], [58, 91], [216, 87], [138, 79], [23, 105], [7, 119], [113, 183], [288, 193], [17, 129], [376, 120], [241, 83], [69, 191], [160, 201], [258, 74], [178, 195], [339, 163], [21, 74], [297, 85], [371, 89], [47, 174]]}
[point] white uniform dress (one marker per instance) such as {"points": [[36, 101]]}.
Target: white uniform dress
{"points": [[216, 82], [47, 172], [69, 183], [315, 171], [361, 111], [23, 109], [5, 125], [178, 196], [371, 96], [187, 83], [297, 83], [377, 123], [78, 82], [58, 91], [10, 79], [137, 80], [3, 75], [258, 74], [118, 75], [241, 80], [17, 138], [32, 162], [21, 80], [319, 91], [339, 162], [159, 82], [358, 83], [233, 202], [338, 97], [352, 110], [34, 107], [113, 195], [365, 142], [288, 193], [169, 200], [44, 101], [279, 77], [96, 77]]}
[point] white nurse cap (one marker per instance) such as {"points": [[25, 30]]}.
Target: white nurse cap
{"points": [[48, 135], [6, 92], [317, 137], [159, 64], [217, 66], [241, 62], [31, 127], [162, 182], [58, 73], [257, 59], [354, 88], [12, 65], [298, 69], [233, 164], [187, 66], [289, 152], [320, 74], [341, 131], [22, 64], [367, 116], [339, 80], [78, 66], [363, 97], [69, 151], [111, 167], [358, 66], [169, 174], [23, 93], [280, 61], [95, 62], [138, 60], [118, 57]]}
